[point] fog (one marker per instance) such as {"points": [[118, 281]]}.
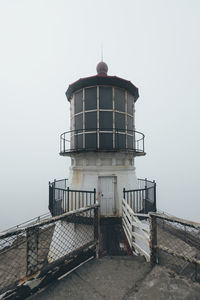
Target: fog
{"points": [[46, 45]]}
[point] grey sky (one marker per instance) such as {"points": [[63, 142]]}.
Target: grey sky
{"points": [[46, 45]]}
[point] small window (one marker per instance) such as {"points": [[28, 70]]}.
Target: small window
{"points": [[91, 120], [119, 99], [78, 141], [130, 142], [130, 104], [120, 141], [79, 122], [130, 124], [119, 121], [91, 98], [78, 102], [105, 97], [91, 141], [106, 140], [105, 120]]}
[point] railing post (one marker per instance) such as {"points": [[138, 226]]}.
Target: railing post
{"points": [[146, 196], [94, 196], [50, 197], [97, 229], [32, 234], [54, 196], [67, 199], [153, 239], [155, 208], [124, 193]]}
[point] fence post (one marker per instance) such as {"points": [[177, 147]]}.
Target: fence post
{"points": [[97, 229], [32, 234], [146, 196], [50, 198], [153, 239], [54, 197], [155, 209], [94, 196], [67, 199], [124, 193]]}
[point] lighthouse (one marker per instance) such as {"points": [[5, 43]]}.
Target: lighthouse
{"points": [[103, 142]]}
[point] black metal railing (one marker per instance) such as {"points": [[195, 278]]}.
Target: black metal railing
{"points": [[96, 139], [64, 199], [143, 198]]}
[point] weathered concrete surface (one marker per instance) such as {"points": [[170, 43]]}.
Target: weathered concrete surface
{"points": [[112, 237], [162, 284], [120, 278]]}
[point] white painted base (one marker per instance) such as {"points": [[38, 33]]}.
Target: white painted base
{"points": [[86, 168]]}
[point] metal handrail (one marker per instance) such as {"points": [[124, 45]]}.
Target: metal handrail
{"points": [[26, 224], [143, 198], [63, 200], [66, 139]]}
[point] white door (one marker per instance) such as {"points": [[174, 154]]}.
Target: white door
{"points": [[106, 195]]}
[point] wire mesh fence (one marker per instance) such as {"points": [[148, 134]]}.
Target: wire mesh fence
{"points": [[176, 244], [30, 250]]}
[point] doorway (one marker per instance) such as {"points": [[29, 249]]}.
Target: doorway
{"points": [[106, 195]]}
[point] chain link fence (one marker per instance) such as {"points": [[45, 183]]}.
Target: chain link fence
{"points": [[34, 249], [176, 245]]}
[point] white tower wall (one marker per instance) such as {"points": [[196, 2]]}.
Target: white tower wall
{"points": [[87, 169]]}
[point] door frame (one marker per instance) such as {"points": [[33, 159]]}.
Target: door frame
{"points": [[114, 177]]}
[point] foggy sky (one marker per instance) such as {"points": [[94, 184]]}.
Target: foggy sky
{"points": [[46, 45]]}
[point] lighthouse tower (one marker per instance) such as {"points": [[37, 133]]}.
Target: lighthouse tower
{"points": [[102, 142]]}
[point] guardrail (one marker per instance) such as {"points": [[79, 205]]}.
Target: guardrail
{"points": [[176, 244], [137, 232], [28, 223], [63, 200], [53, 244], [97, 139], [143, 198], [164, 240]]}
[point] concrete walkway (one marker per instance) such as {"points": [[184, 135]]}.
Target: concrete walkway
{"points": [[120, 278]]}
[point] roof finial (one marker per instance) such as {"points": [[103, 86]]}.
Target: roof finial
{"points": [[102, 69]]}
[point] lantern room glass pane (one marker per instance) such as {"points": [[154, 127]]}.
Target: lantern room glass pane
{"points": [[78, 100], [130, 142], [119, 121], [105, 141], [78, 141], [90, 141], [79, 122], [120, 141], [91, 98], [91, 120], [130, 101], [119, 99], [105, 120], [105, 97], [129, 124]]}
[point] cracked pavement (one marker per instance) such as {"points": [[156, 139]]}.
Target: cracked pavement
{"points": [[120, 278]]}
